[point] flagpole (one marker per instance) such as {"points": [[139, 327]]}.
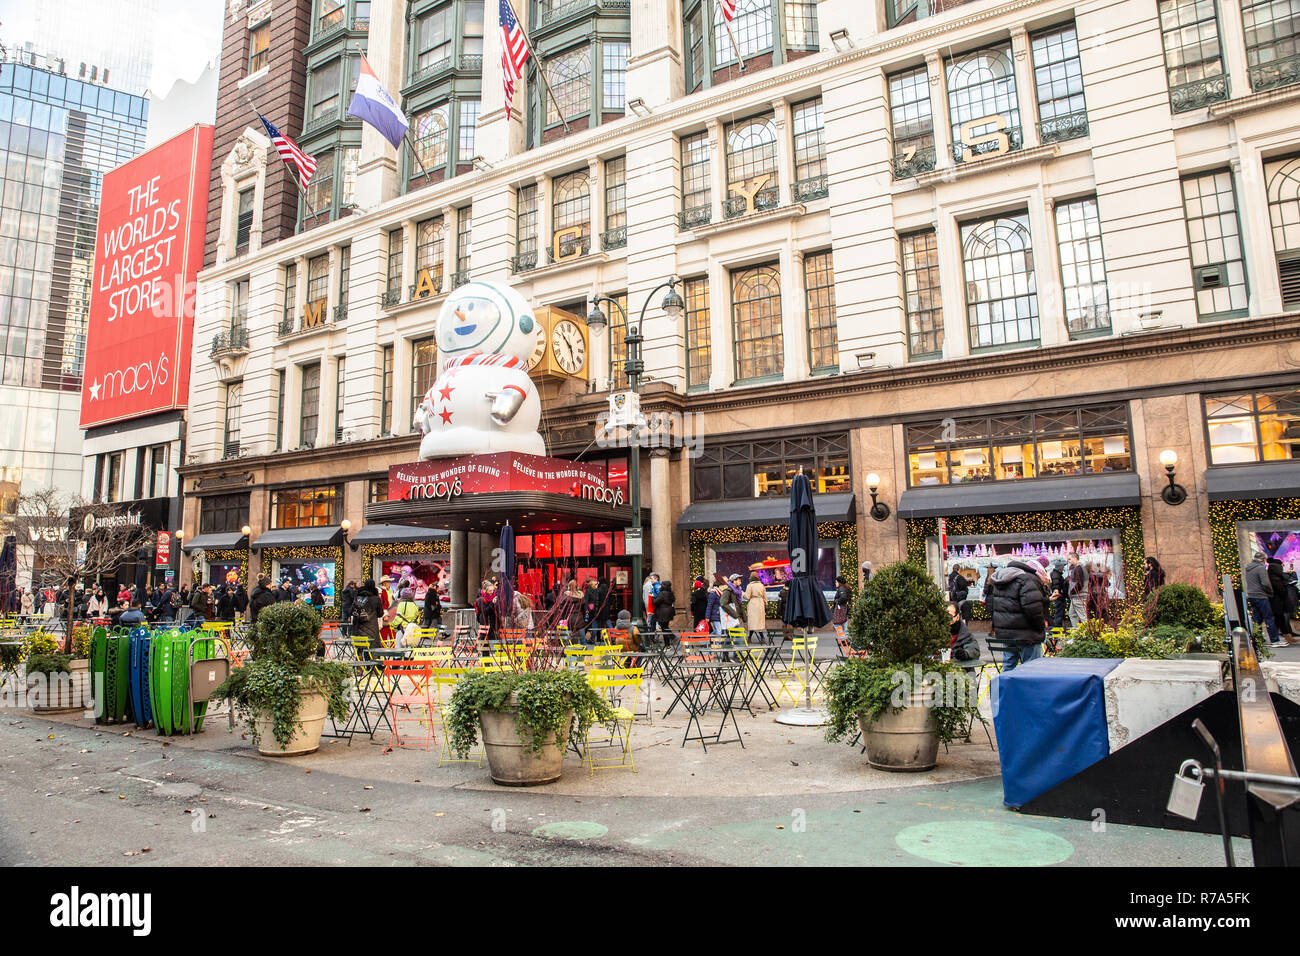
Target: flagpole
{"points": [[734, 47], [406, 136], [540, 71], [293, 175]]}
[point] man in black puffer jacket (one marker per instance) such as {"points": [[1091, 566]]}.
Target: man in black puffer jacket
{"points": [[1017, 601], [263, 596]]}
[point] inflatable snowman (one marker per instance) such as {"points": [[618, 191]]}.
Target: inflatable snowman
{"points": [[483, 400]]}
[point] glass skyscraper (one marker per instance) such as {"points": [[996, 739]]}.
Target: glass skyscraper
{"points": [[58, 136]]}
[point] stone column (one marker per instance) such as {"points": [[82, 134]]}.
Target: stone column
{"points": [[1232, 41], [661, 516], [299, 290], [543, 221], [655, 70], [1256, 231], [794, 324], [1052, 329], [459, 569], [718, 170], [784, 151], [1027, 91], [402, 385], [952, 282], [408, 261], [450, 241], [596, 184], [336, 274], [720, 352], [939, 110], [499, 133]]}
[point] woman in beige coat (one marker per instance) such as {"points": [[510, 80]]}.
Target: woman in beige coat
{"points": [[755, 603]]}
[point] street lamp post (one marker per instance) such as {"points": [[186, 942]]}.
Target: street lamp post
{"points": [[673, 307]]}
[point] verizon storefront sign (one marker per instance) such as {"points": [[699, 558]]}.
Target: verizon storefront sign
{"points": [[505, 471], [148, 250]]}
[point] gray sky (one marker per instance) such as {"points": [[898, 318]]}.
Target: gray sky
{"points": [[185, 34]]}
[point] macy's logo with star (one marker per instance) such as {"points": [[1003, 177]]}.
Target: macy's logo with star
{"points": [[144, 377]]}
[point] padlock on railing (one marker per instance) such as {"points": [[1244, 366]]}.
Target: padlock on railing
{"points": [[1185, 797]]}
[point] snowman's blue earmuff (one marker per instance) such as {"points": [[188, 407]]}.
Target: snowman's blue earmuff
{"points": [[526, 324]]}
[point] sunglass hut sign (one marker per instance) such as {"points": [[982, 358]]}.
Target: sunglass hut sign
{"points": [[502, 472]]}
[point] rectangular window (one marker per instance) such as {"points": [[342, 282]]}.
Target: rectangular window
{"points": [[1193, 59], [158, 471], [424, 369], [801, 25], [386, 410], [1214, 237], [279, 409], [244, 220], [983, 104], [751, 26], [472, 39], [922, 296], [464, 241], [330, 15], [911, 122], [320, 190], [613, 76], [756, 322], [571, 215], [348, 159], [693, 30], [318, 285], [396, 252], [763, 469], [1083, 267], [696, 194], [617, 336], [378, 490], [259, 47], [113, 479], [433, 38], [525, 228], [290, 297], [819, 291], [311, 507], [345, 267], [429, 133], [900, 12], [1282, 186], [1058, 79], [1253, 426], [326, 92], [430, 255], [340, 376], [615, 236], [809, 143], [570, 77], [1006, 447], [699, 354], [1001, 295], [309, 420], [239, 306], [234, 399], [1272, 42], [223, 514], [469, 113]]}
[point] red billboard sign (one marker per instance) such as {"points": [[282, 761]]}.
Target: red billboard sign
{"points": [[504, 471], [148, 250]]}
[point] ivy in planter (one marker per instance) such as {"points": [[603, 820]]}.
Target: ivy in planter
{"points": [[282, 667], [901, 620], [544, 701]]}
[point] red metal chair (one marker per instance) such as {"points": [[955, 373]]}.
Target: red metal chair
{"points": [[415, 705]]}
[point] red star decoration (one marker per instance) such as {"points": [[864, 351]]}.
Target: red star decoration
{"points": [[446, 391], [445, 416], [575, 490]]}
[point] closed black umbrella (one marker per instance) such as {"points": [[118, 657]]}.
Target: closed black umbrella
{"points": [[805, 606], [505, 587]]}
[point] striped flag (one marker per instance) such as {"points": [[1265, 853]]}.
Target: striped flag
{"points": [[728, 9], [302, 164], [514, 50]]}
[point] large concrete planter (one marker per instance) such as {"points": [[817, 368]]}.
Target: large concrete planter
{"points": [[306, 739], [904, 741], [61, 694], [509, 763]]}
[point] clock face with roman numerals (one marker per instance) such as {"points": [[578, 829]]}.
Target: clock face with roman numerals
{"points": [[568, 347], [539, 348]]}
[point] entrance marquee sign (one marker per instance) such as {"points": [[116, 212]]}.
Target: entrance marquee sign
{"points": [[449, 479]]}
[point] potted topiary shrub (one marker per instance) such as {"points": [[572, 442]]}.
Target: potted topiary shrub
{"points": [[50, 685], [1185, 606], [901, 696], [527, 718], [282, 692]]}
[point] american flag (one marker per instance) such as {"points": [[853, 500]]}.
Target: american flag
{"points": [[302, 164], [728, 9], [514, 50]]}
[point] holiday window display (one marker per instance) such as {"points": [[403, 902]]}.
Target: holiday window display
{"points": [[771, 562], [303, 574], [483, 400], [422, 574], [978, 559], [223, 572]]}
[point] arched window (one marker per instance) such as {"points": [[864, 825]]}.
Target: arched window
{"points": [[756, 322], [430, 130], [570, 77], [1282, 178], [982, 85], [1001, 298], [571, 215]]}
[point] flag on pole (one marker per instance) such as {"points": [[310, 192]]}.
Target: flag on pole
{"points": [[302, 164], [514, 50], [728, 9], [372, 104]]}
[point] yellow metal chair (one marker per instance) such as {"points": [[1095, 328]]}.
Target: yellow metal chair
{"points": [[443, 683], [612, 683], [801, 665], [441, 655]]}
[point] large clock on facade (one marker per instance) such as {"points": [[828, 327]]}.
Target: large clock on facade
{"points": [[562, 348], [568, 346]]}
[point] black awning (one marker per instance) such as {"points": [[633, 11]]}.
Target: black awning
{"points": [[387, 533], [1009, 497], [1269, 479], [232, 541], [321, 537], [755, 512]]}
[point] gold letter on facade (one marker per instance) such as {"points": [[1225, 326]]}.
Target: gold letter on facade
{"points": [[423, 285], [313, 314], [749, 188], [970, 141], [562, 236]]}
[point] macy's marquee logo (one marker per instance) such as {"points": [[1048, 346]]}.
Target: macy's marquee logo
{"points": [[144, 377]]}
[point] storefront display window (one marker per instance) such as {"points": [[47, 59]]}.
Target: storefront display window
{"points": [[771, 561], [1044, 444], [303, 507], [420, 570], [978, 557], [303, 574], [223, 572], [1252, 427], [762, 469]]}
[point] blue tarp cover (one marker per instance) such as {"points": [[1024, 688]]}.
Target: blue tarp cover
{"points": [[1050, 718]]}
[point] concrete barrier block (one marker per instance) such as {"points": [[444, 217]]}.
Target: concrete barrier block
{"points": [[1143, 694], [1286, 674]]}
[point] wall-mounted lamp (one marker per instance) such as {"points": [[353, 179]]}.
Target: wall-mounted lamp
{"points": [[841, 40], [879, 510], [637, 106], [865, 359], [1171, 494], [480, 164], [346, 525]]}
